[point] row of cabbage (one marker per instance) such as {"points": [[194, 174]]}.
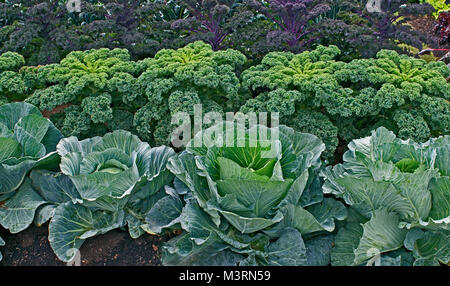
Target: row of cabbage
{"points": [[387, 203], [99, 91]]}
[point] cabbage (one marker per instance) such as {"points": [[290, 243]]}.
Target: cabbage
{"points": [[106, 183], [245, 207], [27, 141], [399, 194]]}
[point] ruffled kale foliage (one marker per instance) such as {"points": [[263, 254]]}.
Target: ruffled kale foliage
{"points": [[142, 27], [298, 86], [398, 193], [316, 94], [293, 24], [251, 204], [45, 31], [89, 92], [176, 80], [9, 13], [39, 32], [406, 94], [27, 141], [360, 32], [106, 183], [16, 81]]}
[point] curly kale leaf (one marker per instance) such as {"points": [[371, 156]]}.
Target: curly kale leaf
{"points": [[95, 81], [176, 80], [403, 85]]}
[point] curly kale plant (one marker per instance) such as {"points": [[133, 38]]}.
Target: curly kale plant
{"points": [[298, 86], [176, 80], [406, 94], [399, 197], [16, 82], [88, 92], [45, 31], [27, 141], [251, 204], [314, 93], [40, 33], [142, 27], [212, 21], [106, 183], [293, 21]]}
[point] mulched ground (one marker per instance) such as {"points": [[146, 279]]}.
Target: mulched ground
{"points": [[115, 248]]}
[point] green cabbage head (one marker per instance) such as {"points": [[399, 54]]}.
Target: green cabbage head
{"points": [[399, 197], [27, 141], [247, 205], [108, 182]]}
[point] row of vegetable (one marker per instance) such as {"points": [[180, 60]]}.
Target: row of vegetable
{"points": [[233, 204], [358, 172], [99, 91], [45, 31]]}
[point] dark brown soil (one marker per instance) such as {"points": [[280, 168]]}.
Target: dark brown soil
{"points": [[340, 150], [115, 248], [58, 109]]}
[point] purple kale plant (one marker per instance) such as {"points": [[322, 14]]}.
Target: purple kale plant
{"points": [[294, 24], [362, 33], [212, 21]]}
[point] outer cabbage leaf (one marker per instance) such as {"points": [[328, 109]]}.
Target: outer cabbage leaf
{"points": [[73, 224], [28, 141], [398, 186]]}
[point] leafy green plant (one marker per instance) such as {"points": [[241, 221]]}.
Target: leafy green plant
{"points": [[83, 89], [28, 141], [16, 81], [247, 205], [176, 80], [315, 93], [106, 183], [398, 192], [438, 5], [408, 94], [361, 33], [297, 86]]}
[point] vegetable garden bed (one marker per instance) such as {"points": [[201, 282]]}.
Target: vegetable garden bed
{"points": [[114, 149]]}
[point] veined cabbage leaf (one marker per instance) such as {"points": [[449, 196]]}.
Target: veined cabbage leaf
{"points": [[401, 193]]}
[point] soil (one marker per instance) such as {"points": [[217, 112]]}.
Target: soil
{"points": [[58, 109], [340, 150], [115, 248]]}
